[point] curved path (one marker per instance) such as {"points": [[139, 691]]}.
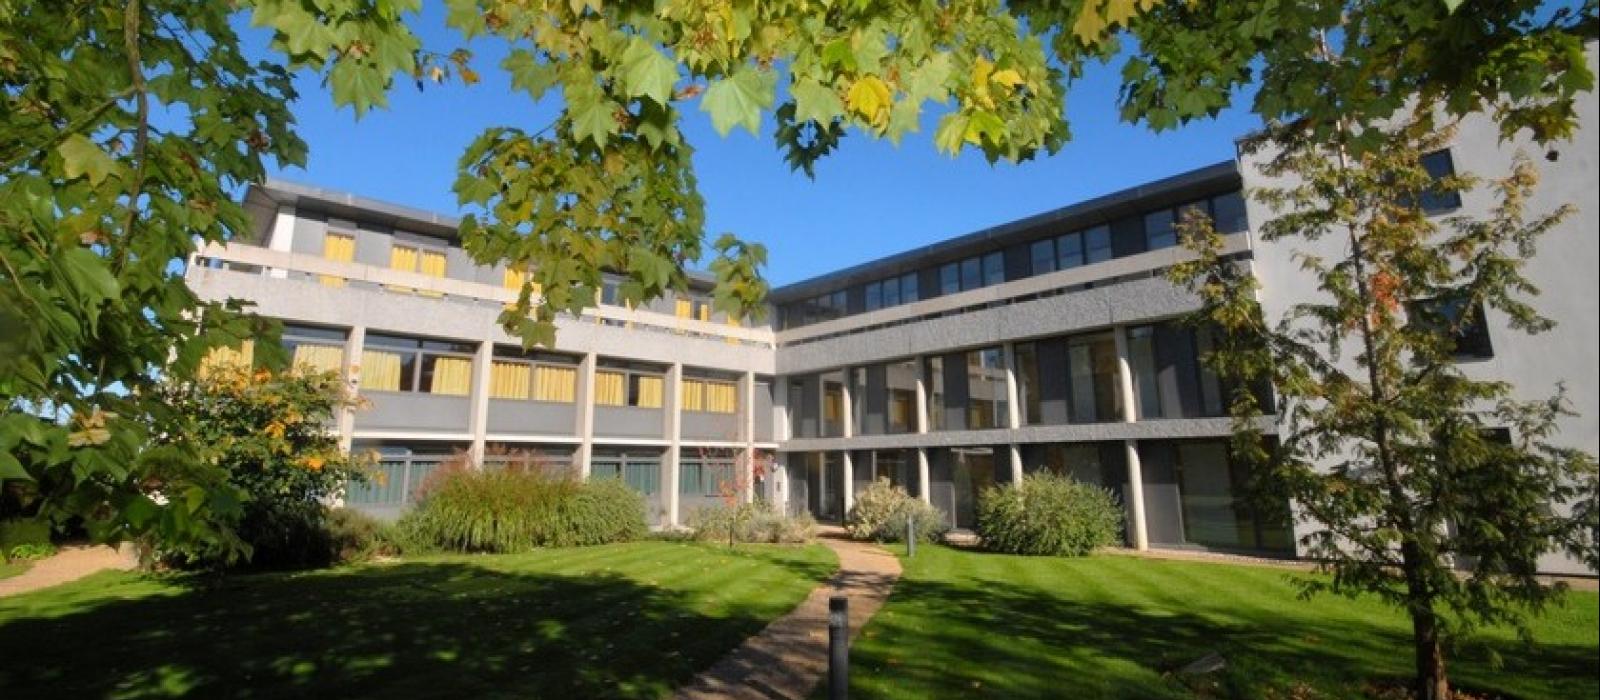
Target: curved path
{"points": [[790, 656], [69, 564]]}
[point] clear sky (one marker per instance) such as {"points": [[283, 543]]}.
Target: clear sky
{"points": [[869, 199]]}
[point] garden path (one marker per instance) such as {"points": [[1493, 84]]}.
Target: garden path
{"points": [[69, 564], [790, 656]]}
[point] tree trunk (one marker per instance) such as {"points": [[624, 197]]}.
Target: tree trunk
{"points": [[1431, 682]]}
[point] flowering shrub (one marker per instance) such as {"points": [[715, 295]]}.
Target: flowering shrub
{"points": [[268, 434], [881, 511]]}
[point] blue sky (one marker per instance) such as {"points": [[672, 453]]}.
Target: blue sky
{"points": [[868, 200]]}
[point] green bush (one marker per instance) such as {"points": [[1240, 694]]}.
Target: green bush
{"points": [[23, 531], [881, 511], [354, 536], [464, 509], [1049, 515], [751, 522], [31, 551]]}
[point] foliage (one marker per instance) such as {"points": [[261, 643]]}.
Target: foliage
{"points": [[751, 522], [354, 536], [1048, 515], [1393, 453], [26, 552], [268, 433], [881, 511], [518, 508], [23, 531]]}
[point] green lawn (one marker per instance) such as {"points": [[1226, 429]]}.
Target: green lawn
{"points": [[12, 568], [971, 624], [631, 620]]}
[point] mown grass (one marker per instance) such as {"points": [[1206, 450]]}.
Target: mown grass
{"points": [[973, 624], [626, 620], [12, 568]]}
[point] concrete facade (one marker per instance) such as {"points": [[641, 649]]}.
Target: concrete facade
{"points": [[1047, 343]]}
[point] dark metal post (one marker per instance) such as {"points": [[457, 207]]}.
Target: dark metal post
{"points": [[838, 647], [911, 536]]}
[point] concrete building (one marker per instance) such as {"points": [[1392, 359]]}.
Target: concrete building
{"points": [[1045, 343]]}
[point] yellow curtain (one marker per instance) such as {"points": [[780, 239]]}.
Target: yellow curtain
{"points": [[510, 380], [899, 410], [433, 265], [683, 308], [452, 375], [319, 358], [694, 395], [832, 405], [380, 370], [337, 247], [555, 383], [736, 323], [722, 397], [218, 357], [403, 259], [610, 389], [705, 312], [650, 391]]}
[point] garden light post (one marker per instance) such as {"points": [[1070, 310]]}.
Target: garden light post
{"points": [[838, 647]]}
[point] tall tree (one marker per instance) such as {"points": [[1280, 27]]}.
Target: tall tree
{"points": [[1416, 482]]}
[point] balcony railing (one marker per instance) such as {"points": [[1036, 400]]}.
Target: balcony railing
{"points": [[276, 263]]}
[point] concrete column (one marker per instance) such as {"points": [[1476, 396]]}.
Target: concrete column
{"points": [[478, 420], [747, 432], [847, 409], [1016, 463], [585, 415], [282, 238], [674, 442], [1130, 414], [923, 485], [351, 371], [922, 396], [1013, 415], [848, 488]]}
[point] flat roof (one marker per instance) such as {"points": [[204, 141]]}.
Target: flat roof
{"points": [[1202, 181]]}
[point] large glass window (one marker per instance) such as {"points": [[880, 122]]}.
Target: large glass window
{"points": [[1097, 244], [1029, 389], [901, 381], [1092, 364], [641, 471], [933, 369], [533, 376], [1228, 211], [1439, 165], [833, 408], [949, 278], [1160, 230], [396, 363], [971, 274], [994, 268], [1463, 323], [1042, 255], [314, 349], [908, 288], [710, 395], [987, 404], [1142, 361], [629, 384], [874, 296], [1069, 251], [1212, 498]]}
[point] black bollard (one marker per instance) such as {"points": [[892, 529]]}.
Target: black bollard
{"points": [[838, 647]]}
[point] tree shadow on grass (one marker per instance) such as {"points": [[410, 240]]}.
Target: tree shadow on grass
{"points": [[990, 639], [410, 630]]}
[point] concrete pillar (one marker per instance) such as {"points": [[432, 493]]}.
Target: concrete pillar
{"points": [[1130, 414], [747, 434], [923, 485], [848, 488], [674, 441], [847, 409], [1013, 415], [478, 420], [585, 415], [351, 371], [922, 396], [1016, 463]]}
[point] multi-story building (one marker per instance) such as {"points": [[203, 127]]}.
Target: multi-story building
{"points": [[1049, 343]]}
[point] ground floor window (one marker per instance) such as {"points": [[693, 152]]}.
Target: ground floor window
{"points": [[398, 478], [1196, 494], [641, 471]]}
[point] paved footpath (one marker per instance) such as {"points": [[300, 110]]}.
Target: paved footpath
{"points": [[790, 656], [69, 564]]}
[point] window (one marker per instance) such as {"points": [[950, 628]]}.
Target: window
{"points": [[314, 349], [535, 376], [395, 363], [623, 384], [971, 274], [706, 395], [640, 471], [706, 475], [337, 247], [1092, 372], [908, 288], [901, 384], [1160, 231], [1142, 362], [424, 261], [1029, 389], [1097, 244], [874, 296], [1069, 251], [1228, 211], [950, 278], [1042, 255], [933, 369], [987, 404], [833, 404], [994, 268], [890, 293], [1439, 165], [610, 293], [1465, 326]]}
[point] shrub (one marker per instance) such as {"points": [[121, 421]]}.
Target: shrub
{"points": [[1049, 515], [518, 508], [881, 511], [27, 552], [23, 531], [751, 522], [354, 536]]}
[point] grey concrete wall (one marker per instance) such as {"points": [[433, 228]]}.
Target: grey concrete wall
{"points": [[413, 411], [1086, 432], [710, 426], [764, 412], [512, 417], [629, 421]]}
